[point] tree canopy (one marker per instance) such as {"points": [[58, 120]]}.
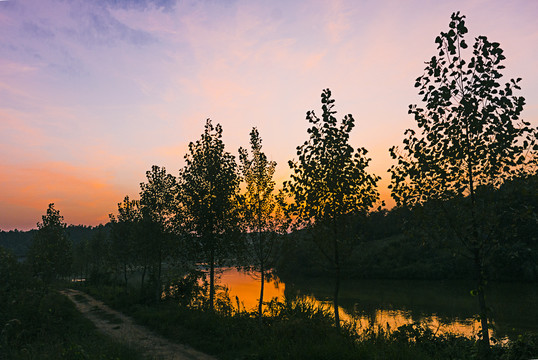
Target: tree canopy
{"points": [[50, 253]]}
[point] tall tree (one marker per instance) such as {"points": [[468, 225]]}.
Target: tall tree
{"points": [[158, 207], [209, 185], [125, 234], [329, 186], [261, 211], [98, 254], [50, 253], [471, 138]]}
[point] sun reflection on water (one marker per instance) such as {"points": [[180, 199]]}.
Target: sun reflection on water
{"points": [[246, 288]]}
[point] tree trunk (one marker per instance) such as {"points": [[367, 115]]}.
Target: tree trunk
{"points": [[142, 281], [337, 275], [260, 313], [158, 285], [335, 302], [482, 304], [212, 279]]}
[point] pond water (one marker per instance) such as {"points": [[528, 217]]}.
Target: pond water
{"points": [[445, 306]]}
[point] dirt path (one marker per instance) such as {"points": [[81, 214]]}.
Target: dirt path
{"points": [[123, 329]]}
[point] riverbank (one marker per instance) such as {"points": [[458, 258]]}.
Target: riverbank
{"points": [[293, 329]]}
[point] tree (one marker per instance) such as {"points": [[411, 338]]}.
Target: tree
{"points": [[98, 255], [50, 253], [329, 186], [209, 185], [125, 235], [471, 140], [260, 210], [158, 207]]}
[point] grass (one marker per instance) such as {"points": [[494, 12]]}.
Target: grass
{"points": [[48, 326]]}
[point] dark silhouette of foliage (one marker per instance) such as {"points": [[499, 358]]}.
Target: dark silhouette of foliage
{"points": [[125, 234], [209, 186], [10, 273], [99, 256], [50, 253], [330, 187], [261, 210], [471, 141]]}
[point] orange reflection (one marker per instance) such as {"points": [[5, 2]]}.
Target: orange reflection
{"points": [[247, 288], [393, 319]]}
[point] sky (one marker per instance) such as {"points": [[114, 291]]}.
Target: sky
{"points": [[93, 93]]}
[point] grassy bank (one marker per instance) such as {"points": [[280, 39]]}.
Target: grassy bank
{"points": [[37, 322], [48, 326]]}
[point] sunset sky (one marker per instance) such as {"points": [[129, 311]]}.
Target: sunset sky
{"points": [[93, 93]]}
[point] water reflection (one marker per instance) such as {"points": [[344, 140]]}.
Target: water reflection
{"points": [[445, 307], [247, 287]]}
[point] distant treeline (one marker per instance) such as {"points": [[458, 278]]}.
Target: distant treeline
{"points": [[390, 244], [18, 241], [398, 244]]}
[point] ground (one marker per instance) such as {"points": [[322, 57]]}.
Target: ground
{"points": [[122, 328]]}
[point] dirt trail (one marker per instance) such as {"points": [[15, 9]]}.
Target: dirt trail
{"points": [[122, 328]]}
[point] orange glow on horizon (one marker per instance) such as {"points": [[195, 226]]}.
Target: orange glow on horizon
{"points": [[80, 197]]}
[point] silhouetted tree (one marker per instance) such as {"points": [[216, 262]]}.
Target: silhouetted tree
{"points": [[125, 234], [261, 211], [471, 139], [158, 207], [209, 184], [80, 265], [329, 186], [50, 253]]}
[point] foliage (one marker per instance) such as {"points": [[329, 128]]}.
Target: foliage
{"points": [[10, 271], [209, 185], [158, 197], [329, 179], [472, 140], [330, 186], [471, 132], [50, 253], [188, 291]]}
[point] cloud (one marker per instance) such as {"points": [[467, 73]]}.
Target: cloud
{"points": [[165, 5], [96, 26], [37, 31]]}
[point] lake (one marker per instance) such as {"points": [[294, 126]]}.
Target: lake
{"points": [[445, 306]]}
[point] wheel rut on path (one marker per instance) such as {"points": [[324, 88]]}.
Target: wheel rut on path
{"points": [[122, 328]]}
